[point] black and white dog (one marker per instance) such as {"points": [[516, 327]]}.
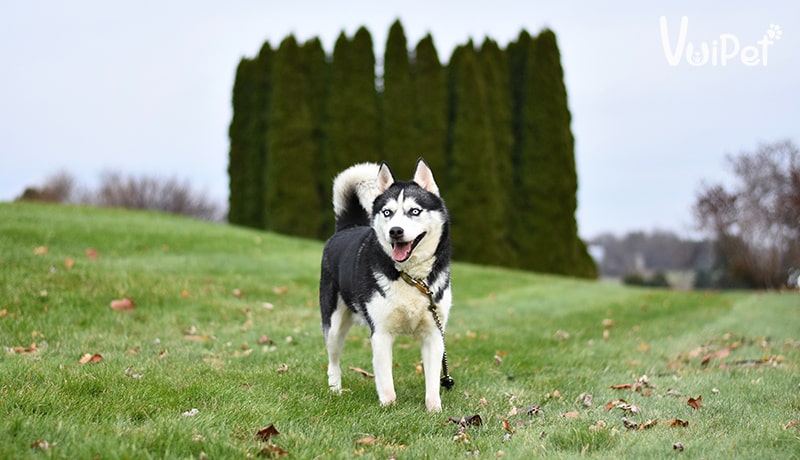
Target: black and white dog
{"points": [[387, 233]]}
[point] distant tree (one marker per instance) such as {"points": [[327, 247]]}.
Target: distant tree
{"points": [[475, 205], [248, 134], [399, 141], [756, 222], [545, 231], [352, 130], [291, 165], [430, 105]]}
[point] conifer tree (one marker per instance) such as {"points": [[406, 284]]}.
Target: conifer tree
{"points": [[291, 169], [430, 108], [475, 205], [397, 128], [248, 139], [351, 130]]}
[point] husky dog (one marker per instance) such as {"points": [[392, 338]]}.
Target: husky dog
{"points": [[387, 233]]}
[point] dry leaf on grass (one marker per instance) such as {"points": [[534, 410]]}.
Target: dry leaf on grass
{"points": [[68, 263], [123, 304], [572, 415], [25, 350], [92, 253], [265, 433], [678, 446], [366, 441], [676, 422], [272, 451], [719, 354], [474, 420], [41, 250], [361, 371], [283, 368], [624, 386], [792, 423], [695, 403], [90, 359], [586, 399], [42, 444]]}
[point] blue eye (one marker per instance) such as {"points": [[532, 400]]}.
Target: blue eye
{"points": [[415, 211], [387, 213]]}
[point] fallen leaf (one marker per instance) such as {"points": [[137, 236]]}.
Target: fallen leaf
{"points": [[648, 424], [561, 335], [586, 399], [68, 263], [695, 403], [610, 405], [92, 253], [272, 451], [678, 446], [129, 373], [507, 426], [624, 386], [123, 304], [24, 350], [237, 293], [41, 444], [283, 368], [474, 420], [185, 294], [629, 424], [200, 338], [265, 433], [366, 441], [598, 425], [265, 340], [677, 422], [573, 415], [90, 359], [608, 323], [3, 312], [280, 290], [362, 372], [791, 424], [41, 250], [483, 402], [719, 354]]}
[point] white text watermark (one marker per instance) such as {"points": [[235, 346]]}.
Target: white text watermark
{"points": [[719, 51]]}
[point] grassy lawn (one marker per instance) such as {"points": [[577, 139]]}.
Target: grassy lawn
{"points": [[224, 340]]}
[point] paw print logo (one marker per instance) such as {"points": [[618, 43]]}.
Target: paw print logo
{"points": [[774, 32], [697, 58]]}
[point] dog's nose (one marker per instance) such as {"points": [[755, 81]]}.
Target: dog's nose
{"points": [[396, 232]]}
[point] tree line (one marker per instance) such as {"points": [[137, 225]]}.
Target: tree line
{"points": [[493, 123]]}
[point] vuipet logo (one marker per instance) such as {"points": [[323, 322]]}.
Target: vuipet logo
{"points": [[720, 51]]}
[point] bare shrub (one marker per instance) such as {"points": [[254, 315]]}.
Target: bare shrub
{"points": [[58, 188], [158, 194], [757, 223]]}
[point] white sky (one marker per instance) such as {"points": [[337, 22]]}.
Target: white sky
{"points": [[145, 87]]}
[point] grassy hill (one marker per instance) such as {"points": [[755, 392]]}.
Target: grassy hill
{"points": [[224, 340]]}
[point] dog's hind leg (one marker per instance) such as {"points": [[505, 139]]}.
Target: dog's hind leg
{"points": [[341, 321], [432, 351]]}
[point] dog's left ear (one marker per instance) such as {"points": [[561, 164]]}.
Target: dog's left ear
{"points": [[423, 176], [385, 177]]}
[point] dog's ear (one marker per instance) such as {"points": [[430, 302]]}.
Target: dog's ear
{"points": [[423, 176], [385, 177]]}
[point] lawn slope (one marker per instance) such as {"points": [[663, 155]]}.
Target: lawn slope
{"points": [[223, 340]]}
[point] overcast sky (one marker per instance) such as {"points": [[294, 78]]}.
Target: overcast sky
{"points": [[145, 87]]}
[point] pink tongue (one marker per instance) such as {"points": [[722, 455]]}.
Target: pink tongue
{"points": [[401, 251]]}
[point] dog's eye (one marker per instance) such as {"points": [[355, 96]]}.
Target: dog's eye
{"points": [[387, 213], [415, 211]]}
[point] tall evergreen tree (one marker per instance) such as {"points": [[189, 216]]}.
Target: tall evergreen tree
{"points": [[351, 130], [248, 134], [291, 169], [476, 207], [430, 108], [546, 234], [399, 144]]}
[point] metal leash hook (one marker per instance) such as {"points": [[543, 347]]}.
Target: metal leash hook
{"points": [[446, 381]]}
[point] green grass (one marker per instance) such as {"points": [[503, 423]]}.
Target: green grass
{"points": [[196, 345]]}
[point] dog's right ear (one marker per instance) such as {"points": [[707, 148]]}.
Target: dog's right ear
{"points": [[385, 177]]}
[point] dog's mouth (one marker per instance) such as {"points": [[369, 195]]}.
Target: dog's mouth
{"points": [[401, 251]]}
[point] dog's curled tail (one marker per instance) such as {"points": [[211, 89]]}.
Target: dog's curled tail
{"points": [[354, 190]]}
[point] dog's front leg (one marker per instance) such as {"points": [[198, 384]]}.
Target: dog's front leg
{"points": [[382, 366], [432, 351]]}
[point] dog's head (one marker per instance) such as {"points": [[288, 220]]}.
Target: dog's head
{"points": [[409, 217]]}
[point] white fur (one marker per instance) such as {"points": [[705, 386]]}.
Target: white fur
{"points": [[364, 176]]}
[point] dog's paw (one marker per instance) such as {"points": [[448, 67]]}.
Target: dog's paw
{"points": [[336, 389], [433, 404], [388, 398]]}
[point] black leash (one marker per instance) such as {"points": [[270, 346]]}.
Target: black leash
{"points": [[422, 287]]}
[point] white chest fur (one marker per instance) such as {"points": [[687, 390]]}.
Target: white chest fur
{"points": [[403, 309]]}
